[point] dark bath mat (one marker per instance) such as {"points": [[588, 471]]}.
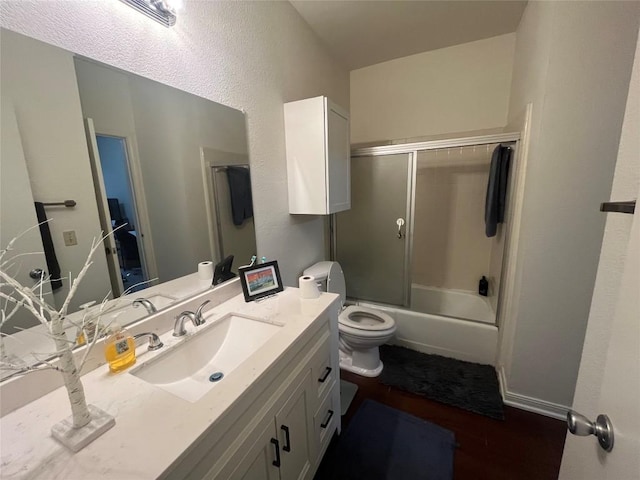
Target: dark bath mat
{"points": [[382, 443], [467, 385]]}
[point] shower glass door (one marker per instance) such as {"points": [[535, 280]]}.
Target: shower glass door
{"points": [[371, 246]]}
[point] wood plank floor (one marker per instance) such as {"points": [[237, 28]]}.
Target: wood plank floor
{"points": [[525, 446]]}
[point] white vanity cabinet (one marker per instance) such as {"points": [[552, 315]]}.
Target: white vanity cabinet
{"points": [[283, 433], [271, 417], [318, 156], [281, 447]]}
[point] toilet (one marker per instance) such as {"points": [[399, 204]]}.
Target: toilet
{"points": [[362, 329]]}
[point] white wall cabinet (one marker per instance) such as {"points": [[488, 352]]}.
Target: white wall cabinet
{"points": [[318, 156]]}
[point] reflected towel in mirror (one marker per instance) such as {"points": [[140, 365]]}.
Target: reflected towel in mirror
{"points": [[240, 192]]}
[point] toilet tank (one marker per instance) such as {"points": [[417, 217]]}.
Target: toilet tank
{"points": [[329, 277]]}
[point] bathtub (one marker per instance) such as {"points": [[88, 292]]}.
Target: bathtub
{"points": [[461, 304], [472, 341]]}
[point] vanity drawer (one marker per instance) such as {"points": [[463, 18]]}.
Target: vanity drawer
{"points": [[325, 422], [322, 372]]}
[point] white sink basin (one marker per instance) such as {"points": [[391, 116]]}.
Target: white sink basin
{"points": [[186, 369]]}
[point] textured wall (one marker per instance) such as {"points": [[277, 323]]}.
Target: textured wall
{"points": [[253, 56], [573, 62], [455, 89]]}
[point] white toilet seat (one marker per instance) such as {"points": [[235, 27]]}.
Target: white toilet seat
{"points": [[359, 333], [364, 319]]}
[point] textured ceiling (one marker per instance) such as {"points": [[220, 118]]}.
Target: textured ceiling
{"points": [[363, 32]]}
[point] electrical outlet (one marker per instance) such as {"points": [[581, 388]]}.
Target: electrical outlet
{"points": [[70, 238]]}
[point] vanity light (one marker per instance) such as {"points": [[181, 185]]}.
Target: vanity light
{"points": [[161, 11]]}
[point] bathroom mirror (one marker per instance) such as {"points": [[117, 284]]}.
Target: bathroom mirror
{"points": [[126, 151]]}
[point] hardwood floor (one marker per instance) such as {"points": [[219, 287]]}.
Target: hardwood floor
{"points": [[525, 446]]}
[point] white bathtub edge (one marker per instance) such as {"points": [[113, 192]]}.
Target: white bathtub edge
{"points": [[449, 337], [530, 404]]}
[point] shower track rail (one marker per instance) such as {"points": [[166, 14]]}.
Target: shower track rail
{"points": [[435, 144]]}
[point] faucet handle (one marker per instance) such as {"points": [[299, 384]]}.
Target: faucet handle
{"points": [[199, 319]]}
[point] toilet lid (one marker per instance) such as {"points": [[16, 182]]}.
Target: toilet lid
{"points": [[364, 318]]}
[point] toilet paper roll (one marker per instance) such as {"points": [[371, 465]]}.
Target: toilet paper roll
{"points": [[205, 271], [308, 287]]}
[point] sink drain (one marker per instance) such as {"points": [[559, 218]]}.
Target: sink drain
{"points": [[216, 377]]}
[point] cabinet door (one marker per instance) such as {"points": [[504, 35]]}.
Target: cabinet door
{"points": [[294, 423], [339, 159], [259, 460]]}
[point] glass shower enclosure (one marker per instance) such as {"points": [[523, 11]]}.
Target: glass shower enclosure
{"points": [[414, 237], [373, 238]]}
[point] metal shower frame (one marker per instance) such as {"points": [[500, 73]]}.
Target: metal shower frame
{"points": [[412, 149]]}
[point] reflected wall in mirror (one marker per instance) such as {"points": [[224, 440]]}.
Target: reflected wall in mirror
{"points": [[127, 150]]}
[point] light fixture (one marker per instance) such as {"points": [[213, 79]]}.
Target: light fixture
{"points": [[160, 10]]}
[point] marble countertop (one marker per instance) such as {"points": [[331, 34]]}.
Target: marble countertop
{"points": [[153, 427], [20, 345]]}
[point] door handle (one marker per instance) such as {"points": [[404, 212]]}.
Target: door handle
{"points": [[400, 223], [602, 428], [276, 462], [37, 273], [287, 441]]}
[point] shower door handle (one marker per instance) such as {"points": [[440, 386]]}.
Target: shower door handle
{"points": [[400, 223]]}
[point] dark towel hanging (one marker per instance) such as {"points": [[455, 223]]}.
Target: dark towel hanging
{"points": [[496, 199], [49, 250], [240, 193]]}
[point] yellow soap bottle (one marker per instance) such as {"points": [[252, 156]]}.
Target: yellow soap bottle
{"points": [[119, 348]]}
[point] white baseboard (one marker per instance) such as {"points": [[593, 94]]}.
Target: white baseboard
{"points": [[530, 404]]}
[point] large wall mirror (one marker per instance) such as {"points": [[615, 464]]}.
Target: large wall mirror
{"points": [[172, 166]]}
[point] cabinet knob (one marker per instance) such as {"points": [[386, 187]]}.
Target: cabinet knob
{"points": [[326, 375], [276, 462], [326, 422], [287, 440]]}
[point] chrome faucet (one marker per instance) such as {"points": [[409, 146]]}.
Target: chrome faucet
{"points": [[196, 318], [154, 340], [146, 303]]}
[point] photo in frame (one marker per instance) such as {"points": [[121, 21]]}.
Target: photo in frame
{"points": [[260, 280]]}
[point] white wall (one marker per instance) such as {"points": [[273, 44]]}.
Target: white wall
{"points": [[446, 91], [252, 56], [610, 268], [573, 62], [45, 96]]}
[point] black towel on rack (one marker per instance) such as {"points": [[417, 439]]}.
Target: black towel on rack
{"points": [[49, 250], [240, 193], [497, 189]]}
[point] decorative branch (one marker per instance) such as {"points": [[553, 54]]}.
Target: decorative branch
{"points": [[32, 299]]}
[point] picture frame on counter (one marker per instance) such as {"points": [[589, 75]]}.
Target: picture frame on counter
{"points": [[260, 280]]}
